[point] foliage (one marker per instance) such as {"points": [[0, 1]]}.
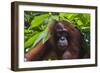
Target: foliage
{"points": [[36, 29]]}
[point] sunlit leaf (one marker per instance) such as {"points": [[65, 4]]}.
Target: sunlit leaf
{"points": [[29, 42], [38, 19], [46, 35]]}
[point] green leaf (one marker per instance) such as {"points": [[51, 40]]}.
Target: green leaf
{"points": [[46, 35], [79, 23], [43, 36], [29, 42], [38, 19], [55, 17], [69, 16]]}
